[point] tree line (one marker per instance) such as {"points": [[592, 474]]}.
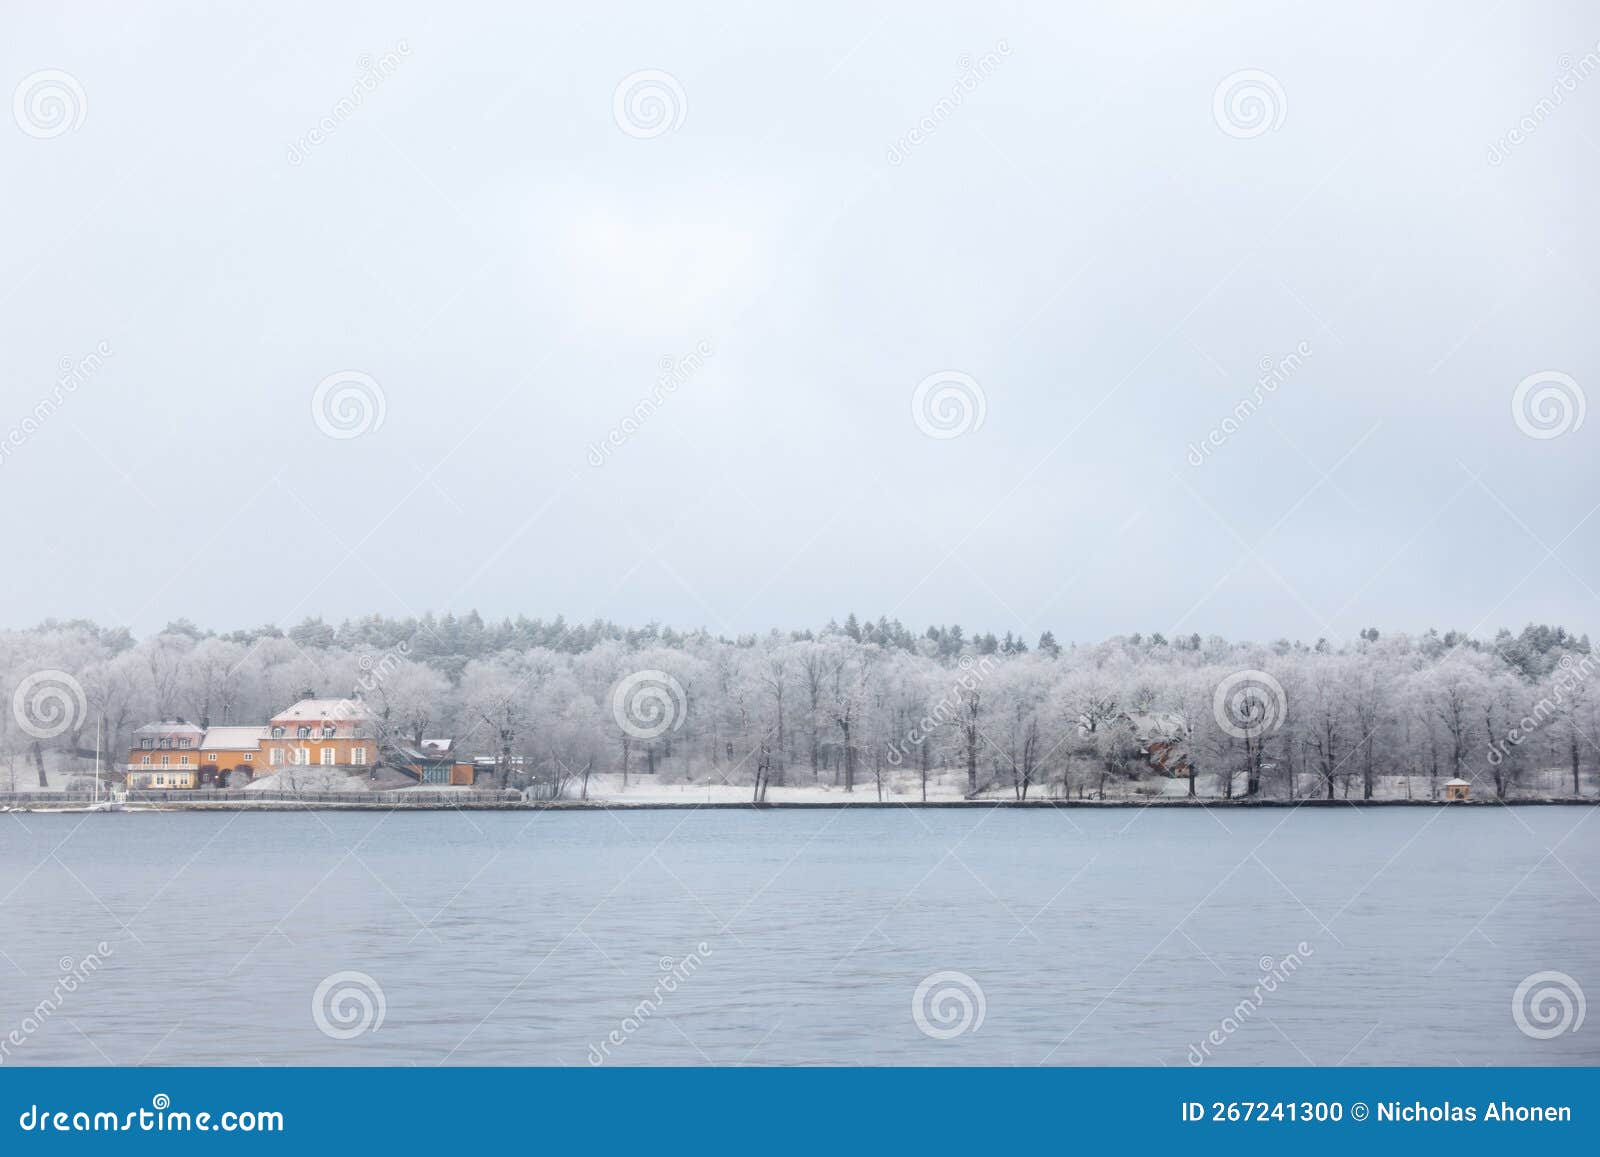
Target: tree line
{"points": [[856, 702]]}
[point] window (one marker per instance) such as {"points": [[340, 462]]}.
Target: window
{"points": [[327, 757], [328, 730], [212, 757], [303, 732], [277, 733], [146, 762], [183, 743], [165, 743], [302, 756], [165, 760], [277, 756], [249, 755], [183, 761], [161, 781], [147, 744], [358, 755]]}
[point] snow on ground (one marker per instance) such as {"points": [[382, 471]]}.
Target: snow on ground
{"points": [[903, 786], [945, 785], [310, 779]]}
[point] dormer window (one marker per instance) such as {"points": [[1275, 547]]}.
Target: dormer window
{"points": [[183, 743], [147, 744], [303, 732], [165, 743], [327, 730], [277, 733]]}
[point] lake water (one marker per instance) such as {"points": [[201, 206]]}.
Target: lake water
{"points": [[1094, 937]]}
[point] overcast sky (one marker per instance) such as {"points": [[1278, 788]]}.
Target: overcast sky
{"points": [[1070, 208]]}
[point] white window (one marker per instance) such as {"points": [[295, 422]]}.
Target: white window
{"points": [[146, 762], [249, 755], [302, 755], [277, 756], [183, 761], [327, 757], [358, 755], [166, 760], [211, 757]]}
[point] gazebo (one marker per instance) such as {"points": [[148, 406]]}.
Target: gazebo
{"points": [[1457, 789]]}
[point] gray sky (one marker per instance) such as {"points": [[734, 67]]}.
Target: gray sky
{"points": [[1103, 246]]}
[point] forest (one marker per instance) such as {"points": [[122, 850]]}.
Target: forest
{"points": [[853, 703]]}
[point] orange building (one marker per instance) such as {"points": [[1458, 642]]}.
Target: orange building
{"points": [[230, 751], [431, 764], [321, 733], [165, 755]]}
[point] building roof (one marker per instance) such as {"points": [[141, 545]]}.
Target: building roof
{"points": [[169, 727], [1158, 725], [405, 753], [233, 739], [1457, 783], [439, 746], [322, 710]]}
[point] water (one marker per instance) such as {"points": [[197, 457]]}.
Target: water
{"points": [[1096, 937]]}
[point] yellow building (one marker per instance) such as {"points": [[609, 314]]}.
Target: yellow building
{"points": [[1457, 789], [167, 780], [165, 755]]}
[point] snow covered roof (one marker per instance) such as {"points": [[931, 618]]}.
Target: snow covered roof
{"points": [[319, 710], [233, 738], [1166, 725], [1457, 783], [441, 746], [169, 727], [405, 753]]}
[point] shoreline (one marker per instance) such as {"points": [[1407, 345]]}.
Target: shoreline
{"points": [[725, 805]]}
